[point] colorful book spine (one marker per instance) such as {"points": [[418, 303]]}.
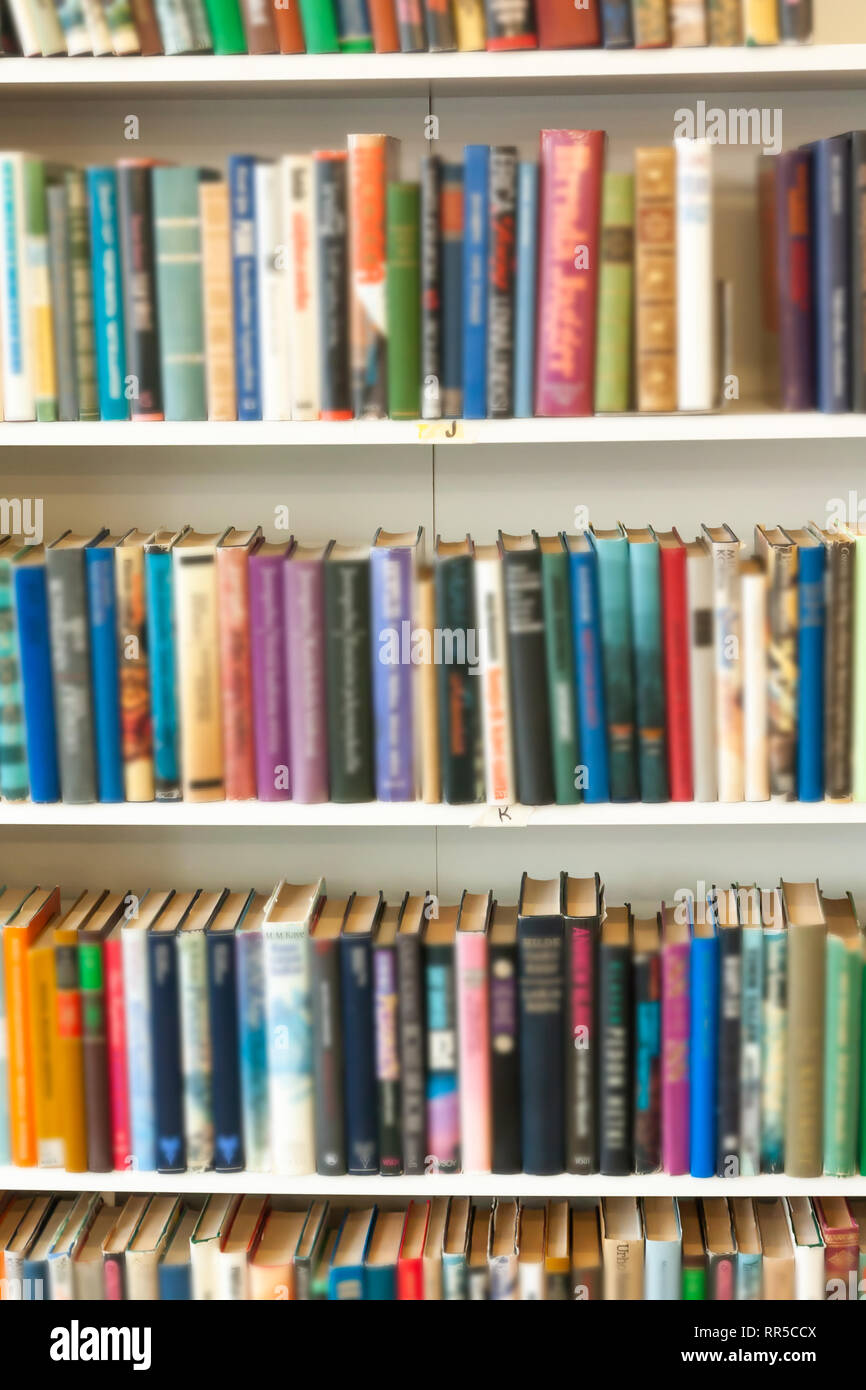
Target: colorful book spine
{"points": [[469, 25], [137, 1009], [645, 585], [233, 597], [253, 1051], [404, 300], [410, 25], [226, 26], [159, 584], [118, 1079], [195, 1052], [305, 653], [704, 1036], [774, 1018], [391, 607], [216, 264], [166, 1044], [831, 207], [82, 294], [794, 249], [330, 195], [727, 627], [443, 1104], [502, 210], [616, 23], [724, 18], [676, 1078], [567, 26], [359, 1054], [353, 26], [441, 36], [810, 660], [70, 659], [524, 287], [615, 1006], [675, 643], [509, 25], [646, 1061], [459, 693], [729, 1050], [473, 1022], [222, 1013], [196, 634], [476, 232], [451, 230], [756, 758], [650, 21], [760, 22], [177, 235], [97, 1085], [106, 279], [38, 297], [386, 1019], [655, 280], [411, 1028], [613, 369], [13, 746], [530, 705], [102, 615], [383, 22], [559, 654], [752, 992], [616, 642], [589, 673], [16, 351], [319, 21], [273, 326], [31, 608], [259, 21], [347, 662], [137, 227], [133, 669], [268, 635], [371, 161], [431, 288], [804, 1063], [495, 694], [505, 1063], [688, 24], [842, 1053], [289, 1053], [241, 178]]}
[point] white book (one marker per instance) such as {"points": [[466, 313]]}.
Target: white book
{"points": [[211, 1228], [728, 670], [87, 1264], [195, 1047], [809, 1272], [531, 1272], [300, 242], [24, 24], [696, 366], [499, 779], [16, 349], [274, 319], [699, 581], [756, 763], [37, 19], [663, 1251], [61, 1256], [152, 1235], [97, 27], [72, 22], [288, 1011]]}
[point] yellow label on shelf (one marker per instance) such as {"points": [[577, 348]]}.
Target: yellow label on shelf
{"points": [[441, 431]]}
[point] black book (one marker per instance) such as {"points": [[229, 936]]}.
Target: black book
{"points": [[441, 37], [165, 1036], [359, 1044], [223, 1018], [857, 296], [347, 662], [541, 976], [412, 1033], [502, 196], [724, 905], [530, 712], [333, 275], [507, 1155], [646, 1052], [431, 300], [70, 664], [459, 687], [795, 21], [410, 26], [386, 996], [615, 1029], [583, 906], [330, 1125], [136, 226]]}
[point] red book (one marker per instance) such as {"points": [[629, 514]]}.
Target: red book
{"points": [[410, 1265], [562, 25], [115, 1018], [675, 650], [383, 22], [233, 590], [840, 1234], [287, 20], [570, 199]]}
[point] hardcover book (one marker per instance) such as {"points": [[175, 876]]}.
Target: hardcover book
{"points": [[541, 974]]}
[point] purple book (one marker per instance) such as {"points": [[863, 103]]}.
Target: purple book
{"points": [[794, 261], [305, 657], [675, 1043], [392, 574], [270, 677]]}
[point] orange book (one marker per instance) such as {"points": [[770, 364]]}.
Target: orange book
{"points": [[287, 19], [42, 987], [383, 22], [19, 933], [70, 1036], [233, 593], [219, 336], [372, 165]]}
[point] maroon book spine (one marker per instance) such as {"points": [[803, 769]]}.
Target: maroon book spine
{"points": [[562, 25]]}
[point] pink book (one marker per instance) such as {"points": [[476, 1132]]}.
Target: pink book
{"points": [[840, 1233], [473, 1031], [675, 1042], [233, 590], [118, 1093], [305, 654]]}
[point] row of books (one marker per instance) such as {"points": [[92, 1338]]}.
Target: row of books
{"points": [[457, 1249], [40, 27], [321, 287], [294, 1032], [610, 665]]}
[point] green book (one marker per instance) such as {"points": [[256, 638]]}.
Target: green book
{"points": [[226, 26], [177, 240], [404, 301], [613, 353], [559, 657], [844, 988], [319, 23], [347, 661], [858, 702], [646, 628], [78, 253], [38, 305]]}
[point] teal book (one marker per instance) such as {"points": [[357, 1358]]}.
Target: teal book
{"points": [[346, 1272], [559, 658], [177, 239], [774, 1015], [107, 286], [646, 615], [842, 1035], [614, 593], [380, 1266], [749, 1263], [13, 748], [751, 1004]]}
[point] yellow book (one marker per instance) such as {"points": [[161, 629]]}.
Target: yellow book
{"points": [[38, 289], [470, 26], [70, 1041], [198, 666], [50, 1152], [760, 22]]}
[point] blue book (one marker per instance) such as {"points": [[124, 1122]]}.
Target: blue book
{"points": [[614, 605], [380, 1266], [616, 23], [159, 586], [353, 26], [589, 671], [34, 648], [646, 627], [242, 196], [392, 567], [252, 1036], [166, 1042], [223, 1016], [346, 1274], [451, 287], [831, 259], [810, 657], [703, 1042], [102, 613], [476, 235], [359, 1045], [524, 289], [107, 279], [751, 1007]]}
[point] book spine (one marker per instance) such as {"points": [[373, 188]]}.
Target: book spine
{"points": [[353, 26], [443, 1113], [842, 1057], [675, 1079], [42, 1042], [391, 614], [804, 1066], [530, 708], [253, 1051], [160, 645], [106, 280], [118, 1081], [320, 26], [695, 279], [650, 21], [233, 598], [756, 766], [473, 1031], [412, 1035], [287, 18], [13, 747], [197, 16], [589, 676], [615, 1008], [506, 1151], [774, 1018], [502, 211], [34, 644], [359, 1055], [858, 688], [91, 979], [495, 695], [613, 367], [82, 295], [328, 1057], [476, 231], [429, 777], [38, 289], [675, 647], [72, 22], [704, 1036], [302, 286], [699, 587], [832, 228], [727, 636], [404, 300], [70, 661], [451, 235], [645, 587], [570, 200], [541, 974], [97, 27], [137, 1008], [794, 248], [386, 1004], [259, 26], [760, 22], [431, 289], [656, 279], [562, 695], [174, 26], [458, 690], [177, 237], [646, 1096], [838, 669], [562, 26], [61, 298], [347, 688], [724, 19], [524, 288], [137, 227], [267, 607], [133, 672], [510, 25], [469, 24], [273, 324], [728, 1064], [688, 24], [410, 26], [332, 271], [241, 170], [616, 644], [223, 1023], [782, 604], [124, 39], [102, 616], [371, 158], [752, 966], [166, 1045], [582, 1047], [195, 1051], [616, 23], [441, 37], [196, 634], [146, 26], [383, 22], [289, 1068], [305, 653], [795, 21]]}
